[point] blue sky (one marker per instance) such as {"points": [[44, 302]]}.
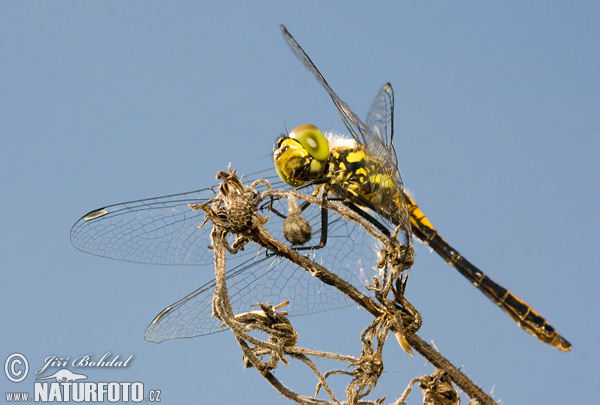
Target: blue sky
{"points": [[497, 130]]}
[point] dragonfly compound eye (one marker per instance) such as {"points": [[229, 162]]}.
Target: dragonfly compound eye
{"points": [[313, 140]]}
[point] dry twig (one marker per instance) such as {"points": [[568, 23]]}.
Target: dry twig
{"points": [[235, 211]]}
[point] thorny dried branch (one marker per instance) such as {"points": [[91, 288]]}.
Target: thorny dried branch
{"points": [[235, 211]]}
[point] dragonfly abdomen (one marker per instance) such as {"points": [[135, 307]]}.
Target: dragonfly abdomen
{"points": [[521, 312]]}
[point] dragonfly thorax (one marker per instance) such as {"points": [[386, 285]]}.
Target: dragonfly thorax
{"points": [[361, 177]]}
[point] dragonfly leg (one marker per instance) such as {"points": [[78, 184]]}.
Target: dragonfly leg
{"points": [[324, 226], [296, 222]]}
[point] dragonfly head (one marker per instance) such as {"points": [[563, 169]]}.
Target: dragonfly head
{"points": [[301, 155]]}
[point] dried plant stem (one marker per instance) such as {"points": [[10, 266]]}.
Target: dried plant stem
{"points": [[422, 347], [395, 314]]}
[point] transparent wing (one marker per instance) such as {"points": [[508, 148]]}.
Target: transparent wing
{"points": [[380, 124], [164, 230], [351, 120], [161, 230], [349, 252]]}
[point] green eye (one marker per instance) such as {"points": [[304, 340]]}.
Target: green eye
{"points": [[313, 140]]}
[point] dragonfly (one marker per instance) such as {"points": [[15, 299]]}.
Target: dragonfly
{"points": [[360, 171]]}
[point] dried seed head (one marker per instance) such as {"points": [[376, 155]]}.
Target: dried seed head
{"points": [[296, 229]]}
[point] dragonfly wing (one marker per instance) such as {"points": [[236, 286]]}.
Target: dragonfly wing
{"points": [[272, 280], [191, 316], [164, 230], [380, 123], [160, 230], [356, 127]]}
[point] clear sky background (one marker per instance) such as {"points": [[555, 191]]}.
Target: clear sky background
{"points": [[497, 135]]}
